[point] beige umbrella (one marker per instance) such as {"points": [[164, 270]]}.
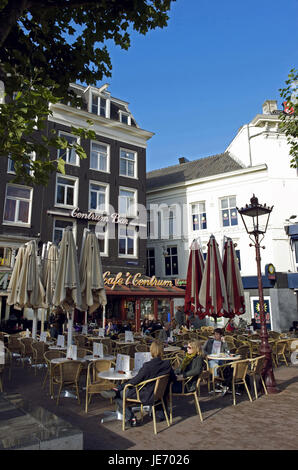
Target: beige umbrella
{"points": [[49, 273], [12, 286], [29, 290], [67, 292], [91, 276]]}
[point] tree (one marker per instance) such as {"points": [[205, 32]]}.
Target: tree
{"points": [[44, 46], [289, 124]]}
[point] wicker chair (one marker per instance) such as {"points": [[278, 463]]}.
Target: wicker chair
{"points": [[82, 352], [48, 356], [27, 352], [38, 350], [81, 341], [161, 383], [66, 374], [244, 352], [240, 369], [205, 376], [257, 365], [93, 383], [279, 351], [14, 345], [142, 347]]}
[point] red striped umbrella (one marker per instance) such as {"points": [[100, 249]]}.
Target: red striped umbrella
{"points": [[194, 278], [213, 292], [233, 280]]}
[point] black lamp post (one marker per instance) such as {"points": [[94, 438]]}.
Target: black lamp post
{"points": [[255, 218]]}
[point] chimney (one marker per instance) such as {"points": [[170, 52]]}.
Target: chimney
{"points": [[183, 160], [269, 106]]}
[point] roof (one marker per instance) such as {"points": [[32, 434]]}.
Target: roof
{"points": [[201, 168]]}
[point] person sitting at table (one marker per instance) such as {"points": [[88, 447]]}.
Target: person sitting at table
{"points": [[165, 333], [230, 326], [110, 329], [191, 366], [215, 346], [151, 369]]}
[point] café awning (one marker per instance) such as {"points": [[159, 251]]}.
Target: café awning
{"points": [[135, 291]]}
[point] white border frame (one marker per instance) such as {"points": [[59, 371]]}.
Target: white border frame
{"points": [[107, 201], [266, 297], [134, 190], [76, 191], [67, 150], [136, 237], [136, 163], [108, 156], [19, 224], [72, 222]]}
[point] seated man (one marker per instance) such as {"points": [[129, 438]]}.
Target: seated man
{"points": [[154, 368], [164, 333], [215, 346], [191, 366]]}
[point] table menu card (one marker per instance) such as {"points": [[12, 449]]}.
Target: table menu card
{"points": [[43, 337], [128, 336], [60, 341], [122, 362], [98, 349], [72, 352], [101, 332], [141, 358]]}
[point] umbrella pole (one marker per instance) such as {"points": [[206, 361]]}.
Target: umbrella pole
{"points": [[104, 316], [42, 321], [69, 327], [34, 323], [86, 317]]}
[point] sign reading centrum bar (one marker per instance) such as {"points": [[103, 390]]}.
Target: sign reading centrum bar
{"points": [[113, 218], [133, 280]]}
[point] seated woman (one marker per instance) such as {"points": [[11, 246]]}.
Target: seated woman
{"points": [[110, 329], [154, 368], [191, 366]]}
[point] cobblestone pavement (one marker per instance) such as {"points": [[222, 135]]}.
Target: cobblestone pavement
{"points": [[269, 423]]}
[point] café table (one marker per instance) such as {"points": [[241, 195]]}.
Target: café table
{"points": [[58, 348], [224, 357], [172, 349], [114, 375], [91, 357]]}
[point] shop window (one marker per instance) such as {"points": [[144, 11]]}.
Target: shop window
{"points": [[198, 216]]}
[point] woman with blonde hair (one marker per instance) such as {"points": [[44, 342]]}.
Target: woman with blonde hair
{"points": [[191, 366]]}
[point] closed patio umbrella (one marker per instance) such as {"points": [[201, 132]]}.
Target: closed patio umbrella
{"points": [[13, 283], [91, 276], [213, 292], [50, 264], [67, 292], [29, 290], [233, 279], [194, 278]]}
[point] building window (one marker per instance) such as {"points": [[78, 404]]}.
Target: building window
{"points": [[5, 256], [238, 258], [17, 208], [101, 232], [97, 197], [128, 163], [69, 155], [295, 252], [198, 216], [99, 156], [11, 166], [59, 227], [127, 202], [127, 241], [99, 105], [229, 211], [171, 261], [150, 271], [66, 191], [125, 118]]}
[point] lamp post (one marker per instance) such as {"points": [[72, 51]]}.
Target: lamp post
{"points": [[255, 218]]}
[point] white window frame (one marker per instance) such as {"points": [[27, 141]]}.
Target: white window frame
{"points": [[197, 203], [133, 190], [99, 96], [107, 196], [124, 113], [10, 161], [18, 223], [69, 134], [228, 209], [171, 256], [108, 156], [135, 245], [75, 193], [148, 258], [105, 253], [135, 162], [70, 222]]}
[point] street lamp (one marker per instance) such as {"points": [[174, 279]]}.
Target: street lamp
{"points": [[255, 218]]}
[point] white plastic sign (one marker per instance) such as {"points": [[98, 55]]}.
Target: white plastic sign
{"points": [[60, 341], [72, 352], [128, 336], [98, 349], [141, 358], [2, 353], [101, 332], [123, 362], [43, 337]]}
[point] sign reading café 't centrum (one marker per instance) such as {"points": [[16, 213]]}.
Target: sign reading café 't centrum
{"points": [[134, 280]]}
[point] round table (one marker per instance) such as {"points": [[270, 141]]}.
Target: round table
{"points": [[114, 375], [224, 357], [58, 348], [172, 349], [59, 360], [125, 343]]}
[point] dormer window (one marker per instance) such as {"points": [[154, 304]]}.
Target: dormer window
{"points": [[99, 105], [125, 118]]}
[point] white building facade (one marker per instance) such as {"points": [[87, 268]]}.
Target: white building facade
{"points": [[199, 198]]}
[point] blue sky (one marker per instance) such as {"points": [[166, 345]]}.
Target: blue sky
{"points": [[197, 81]]}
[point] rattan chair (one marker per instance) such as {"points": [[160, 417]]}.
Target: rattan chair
{"points": [[279, 351], [94, 384], [205, 376], [27, 352], [82, 352], [240, 369], [14, 345], [160, 385], [48, 356], [38, 350], [142, 347], [81, 341], [244, 352], [66, 374], [257, 365]]}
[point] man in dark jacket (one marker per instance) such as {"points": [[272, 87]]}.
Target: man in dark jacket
{"points": [[151, 369]]}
